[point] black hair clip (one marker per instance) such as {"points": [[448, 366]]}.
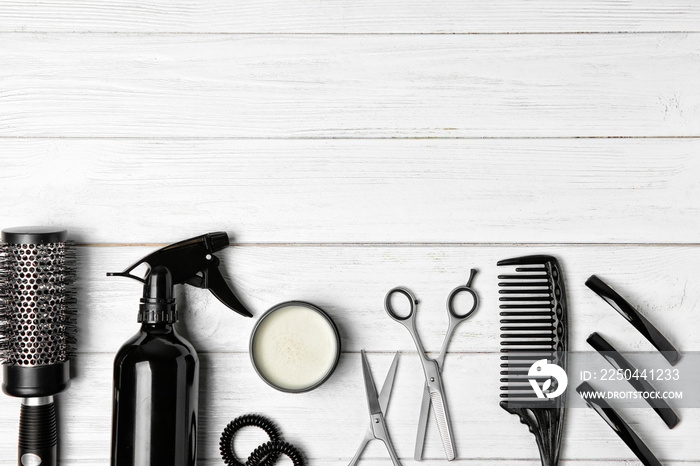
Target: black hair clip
{"points": [[620, 427], [633, 316], [618, 361]]}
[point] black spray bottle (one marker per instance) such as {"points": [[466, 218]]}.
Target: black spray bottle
{"points": [[156, 372]]}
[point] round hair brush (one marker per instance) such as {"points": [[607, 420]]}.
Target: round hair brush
{"points": [[37, 332]]}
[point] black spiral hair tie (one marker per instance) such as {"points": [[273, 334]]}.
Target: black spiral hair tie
{"points": [[273, 449], [255, 420]]}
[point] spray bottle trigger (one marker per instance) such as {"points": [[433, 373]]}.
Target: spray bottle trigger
{"points": [[198, 281], [193, 262], [214, 282]]}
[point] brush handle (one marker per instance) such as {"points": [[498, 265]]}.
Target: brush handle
{"points": [[38, 435]]}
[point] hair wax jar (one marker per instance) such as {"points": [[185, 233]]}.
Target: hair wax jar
{"points": [[295, 347]]}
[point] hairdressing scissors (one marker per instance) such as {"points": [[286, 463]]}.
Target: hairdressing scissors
{"points": [[378, 405], [434, 392]]}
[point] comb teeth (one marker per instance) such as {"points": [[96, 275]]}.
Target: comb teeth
{"points": [[527, 283], [545, 299], [543, 312], [530, 327], [525, 292], [533, 322], [533, 276], [528, 321]]}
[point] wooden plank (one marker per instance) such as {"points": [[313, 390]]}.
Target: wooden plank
{"points": [[337, 16], [328, 423], [330, 86], [578, 190], [350, 284]]}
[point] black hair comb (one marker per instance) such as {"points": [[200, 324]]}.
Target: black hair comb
{"points": [[534, 322]]}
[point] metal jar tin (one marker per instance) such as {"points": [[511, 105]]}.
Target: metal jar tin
{"points": [[290, 355]]}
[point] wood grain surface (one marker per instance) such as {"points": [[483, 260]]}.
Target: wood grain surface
{"points": [[348, 147], [338, 16], [358, 191], [331, 86]]}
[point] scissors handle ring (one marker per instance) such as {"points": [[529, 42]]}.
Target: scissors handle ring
{"points": [[453, 294], [389, 308]]}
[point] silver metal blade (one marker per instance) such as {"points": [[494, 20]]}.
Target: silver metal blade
{"points": [[422, 425], [385, 392], [443, 423], [370, 389]]}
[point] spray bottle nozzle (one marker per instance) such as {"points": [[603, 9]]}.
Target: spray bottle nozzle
{"points": [[189, 262], [219, 241]]}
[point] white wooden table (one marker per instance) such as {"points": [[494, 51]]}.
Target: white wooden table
{"points": [[349, 147]]}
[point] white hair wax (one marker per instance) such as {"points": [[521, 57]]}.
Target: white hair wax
{"points": [[295, 347]]}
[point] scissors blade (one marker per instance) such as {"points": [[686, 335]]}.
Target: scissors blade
{"points": [[443, 422], [385, 392], [422, 425], [370, 389]]}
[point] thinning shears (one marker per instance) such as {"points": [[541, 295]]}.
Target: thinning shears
{"points": [[378, 405], [434, 392]]}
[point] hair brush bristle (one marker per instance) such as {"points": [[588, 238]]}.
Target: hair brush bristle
{"points": [[37, 303], [3, 301]]}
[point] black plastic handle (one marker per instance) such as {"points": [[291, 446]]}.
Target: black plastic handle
{"points": [[633, 316], [412, 303], [38, 435], [620, 427], [191, 261], [214, 282], [450, 302], [618, 361]]}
